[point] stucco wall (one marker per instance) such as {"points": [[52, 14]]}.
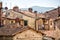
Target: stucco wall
{"points": [[31, 21]]}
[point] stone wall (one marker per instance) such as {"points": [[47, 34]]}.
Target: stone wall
{"points": [[28, 35]]}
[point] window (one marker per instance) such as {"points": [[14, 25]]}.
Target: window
{"points": [[12, 22], [25, 22], [50, 22], [7, 14]]}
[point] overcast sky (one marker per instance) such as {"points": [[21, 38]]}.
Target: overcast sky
{"points": [[30, 3]]}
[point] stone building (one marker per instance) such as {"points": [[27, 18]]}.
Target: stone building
{"points": [[45, 24], [19, 33], [51, 16], [29, 16], [11, 14]]}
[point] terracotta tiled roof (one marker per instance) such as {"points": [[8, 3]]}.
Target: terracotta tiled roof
{"points": [[26, 13], [3, 18], [12, 30], [41, 15], [58, 18], [52, 13]]}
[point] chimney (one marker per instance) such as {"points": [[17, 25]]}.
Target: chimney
{"points": [[6, 8], [16, 8], [30, 9], [35, 18], [35, 11], [0, 12]]}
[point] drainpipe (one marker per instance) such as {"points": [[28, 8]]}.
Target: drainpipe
{"points": [[58, 11], [35, 19]]}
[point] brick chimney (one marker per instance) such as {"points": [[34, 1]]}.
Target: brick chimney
{"points": [[0, 12], [30, 9], [16, 8]]}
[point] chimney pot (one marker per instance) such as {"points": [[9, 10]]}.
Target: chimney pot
{"points": [[16, 8], [6, 8], [30, 9]]}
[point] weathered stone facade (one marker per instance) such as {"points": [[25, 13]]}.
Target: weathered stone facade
{"points": [[28, 35], [13, 15]]}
